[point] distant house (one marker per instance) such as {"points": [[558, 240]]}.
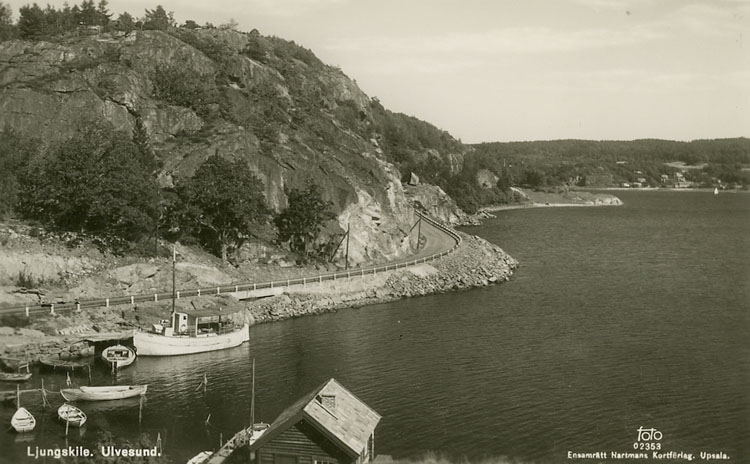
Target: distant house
{"points": [[327, 426]]}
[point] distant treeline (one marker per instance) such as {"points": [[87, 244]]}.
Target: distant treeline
{"points": [[611, 163]]}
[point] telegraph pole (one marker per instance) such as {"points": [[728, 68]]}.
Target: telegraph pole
{"points": [[419, 232], [347, 246]]}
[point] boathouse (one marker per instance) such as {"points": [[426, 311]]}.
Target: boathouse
{"points": [[327, 426]]}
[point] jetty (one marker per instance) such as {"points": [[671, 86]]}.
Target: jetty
{"points": [[246, 436]]}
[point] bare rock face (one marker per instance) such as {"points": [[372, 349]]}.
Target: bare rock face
{"points": [[48, 89], [436, 203], [281, 119], [486, 178]]}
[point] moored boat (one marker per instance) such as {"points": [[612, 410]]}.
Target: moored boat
{"points": [[103, 393], [71, 415], [12, 377], [118, 356], [15, 364], [23, 421], [194, 332], [187, 333], [56, 363], [244, 437], [200, 458]]}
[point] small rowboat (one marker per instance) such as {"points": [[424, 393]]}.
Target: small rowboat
{"points": [[10, 377], [201, 457], [118, 356], [61, 364], [23, 421], [14, 364], [71, 414], [116, 392]]}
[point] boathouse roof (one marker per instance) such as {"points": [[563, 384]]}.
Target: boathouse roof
{"points": [[332, 410]]}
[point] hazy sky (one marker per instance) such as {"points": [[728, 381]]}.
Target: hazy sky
{"points": [[503, 70]]}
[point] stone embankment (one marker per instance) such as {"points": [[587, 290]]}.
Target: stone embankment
{"points": [[476, 263]]}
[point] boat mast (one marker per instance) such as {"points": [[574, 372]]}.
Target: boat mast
{"points": [[174, 260], [252, 402]]}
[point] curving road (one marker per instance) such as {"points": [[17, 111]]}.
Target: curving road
{"points": [[439, 241]]}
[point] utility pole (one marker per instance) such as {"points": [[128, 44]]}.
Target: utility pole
{"points": [[419, 231], [347, 246]]}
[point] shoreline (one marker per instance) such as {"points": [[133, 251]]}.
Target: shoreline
{"points": [[492, 209], [475, 263]]}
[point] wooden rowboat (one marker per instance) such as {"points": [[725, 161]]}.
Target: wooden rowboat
{"points": [[104, 393], [23, 421], [15, 364], [118, 356], [55, 364], [11, 377], [201, 457], [71, 414]]}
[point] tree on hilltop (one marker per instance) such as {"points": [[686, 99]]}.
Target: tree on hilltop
{"points": [[158, 19], [7, 29], [124, 22]]}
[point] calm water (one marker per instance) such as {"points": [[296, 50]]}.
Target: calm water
{"points": [[619, 317]]}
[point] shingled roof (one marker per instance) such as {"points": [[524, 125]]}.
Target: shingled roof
{"points": [[349, 423]]}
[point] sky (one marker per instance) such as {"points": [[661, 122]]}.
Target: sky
{"points": [[502, 70]]}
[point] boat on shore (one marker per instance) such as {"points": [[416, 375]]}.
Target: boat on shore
{"points": [[103, 393], [23, 421], [11, 377], [71, 415], [118, 356], [188, 333]]}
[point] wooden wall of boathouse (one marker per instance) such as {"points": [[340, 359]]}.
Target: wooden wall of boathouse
{"points": [[301, 444]]}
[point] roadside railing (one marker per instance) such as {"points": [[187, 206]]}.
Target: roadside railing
{"points": [[218, 290]]}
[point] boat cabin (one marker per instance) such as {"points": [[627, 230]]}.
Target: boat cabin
{"points": [[328, 426], [200, 323]]}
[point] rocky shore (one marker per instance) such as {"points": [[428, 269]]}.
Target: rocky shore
{"points": [[475, 263]]}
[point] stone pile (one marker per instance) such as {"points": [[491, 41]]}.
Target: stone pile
{"points": [[476, 263]]}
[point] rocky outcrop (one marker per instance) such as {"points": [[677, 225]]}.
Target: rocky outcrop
{"points": [[433, 201], [47, 89]]}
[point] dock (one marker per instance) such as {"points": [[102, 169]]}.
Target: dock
{"points": [[240, 439]]}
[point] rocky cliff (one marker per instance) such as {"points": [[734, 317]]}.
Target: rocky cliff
{"points": [[263, 100]]}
